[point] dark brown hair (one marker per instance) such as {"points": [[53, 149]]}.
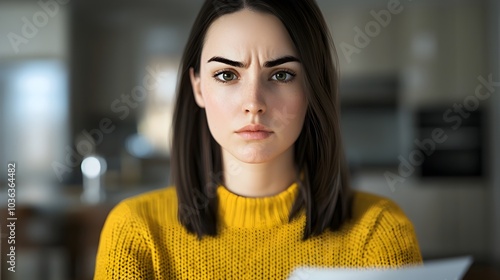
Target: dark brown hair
{"points": [[196, 163]]}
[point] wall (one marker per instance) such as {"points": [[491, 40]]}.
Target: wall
{"points": [[496, 186], [495, 125], [437, 48], [495, 233], [46, 39]]}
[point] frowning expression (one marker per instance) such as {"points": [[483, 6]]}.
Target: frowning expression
{"points": [[251, 84]]}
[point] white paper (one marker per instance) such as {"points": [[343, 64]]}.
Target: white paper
{"points": [[446, 269]]}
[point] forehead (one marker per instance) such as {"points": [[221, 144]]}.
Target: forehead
{"points": [[247, 31]]}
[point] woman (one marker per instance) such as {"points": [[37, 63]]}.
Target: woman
{"points": [[260, 184]]}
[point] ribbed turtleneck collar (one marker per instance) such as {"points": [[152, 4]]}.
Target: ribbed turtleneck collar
{"points": [[249, 212]]}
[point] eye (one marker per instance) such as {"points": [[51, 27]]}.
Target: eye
{"points": [[283, 76], [224, 76]]}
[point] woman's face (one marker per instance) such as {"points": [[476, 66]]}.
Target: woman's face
{"points": [[250, 75]]}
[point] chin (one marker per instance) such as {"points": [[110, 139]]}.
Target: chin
{"points": [[254, 159], [253, 156]]}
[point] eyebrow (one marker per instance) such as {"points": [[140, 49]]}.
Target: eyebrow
{"points": [[270, 63]]}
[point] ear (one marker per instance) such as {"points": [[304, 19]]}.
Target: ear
{"points": [[196, 85]]}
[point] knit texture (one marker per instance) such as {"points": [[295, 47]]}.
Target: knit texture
{"points": [[142, 239]]}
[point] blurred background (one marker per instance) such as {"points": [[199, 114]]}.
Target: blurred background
{"points": [[86, 91]]}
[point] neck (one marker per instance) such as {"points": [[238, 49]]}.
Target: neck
{"points": [[259, 179]]}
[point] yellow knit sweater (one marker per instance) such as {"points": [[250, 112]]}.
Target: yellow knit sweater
{"points": [[142, 239]]}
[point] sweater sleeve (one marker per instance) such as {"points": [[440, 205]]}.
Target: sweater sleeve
{"points": [[392, 241], [123, 252]]}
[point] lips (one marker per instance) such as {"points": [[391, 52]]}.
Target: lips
{"points": [[254, 128], [254, 132]]}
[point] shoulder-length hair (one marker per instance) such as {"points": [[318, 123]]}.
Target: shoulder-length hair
{"points": [[196, 163]]}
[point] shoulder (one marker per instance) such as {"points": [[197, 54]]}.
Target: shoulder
{"points": [[126, 237], [157, 205], [389, 236], [160, 196], [367, 206]]}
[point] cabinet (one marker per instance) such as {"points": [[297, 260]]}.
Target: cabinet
{"points": [[460, 153]]}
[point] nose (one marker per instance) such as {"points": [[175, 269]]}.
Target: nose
{"points": [[254, 102]]}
